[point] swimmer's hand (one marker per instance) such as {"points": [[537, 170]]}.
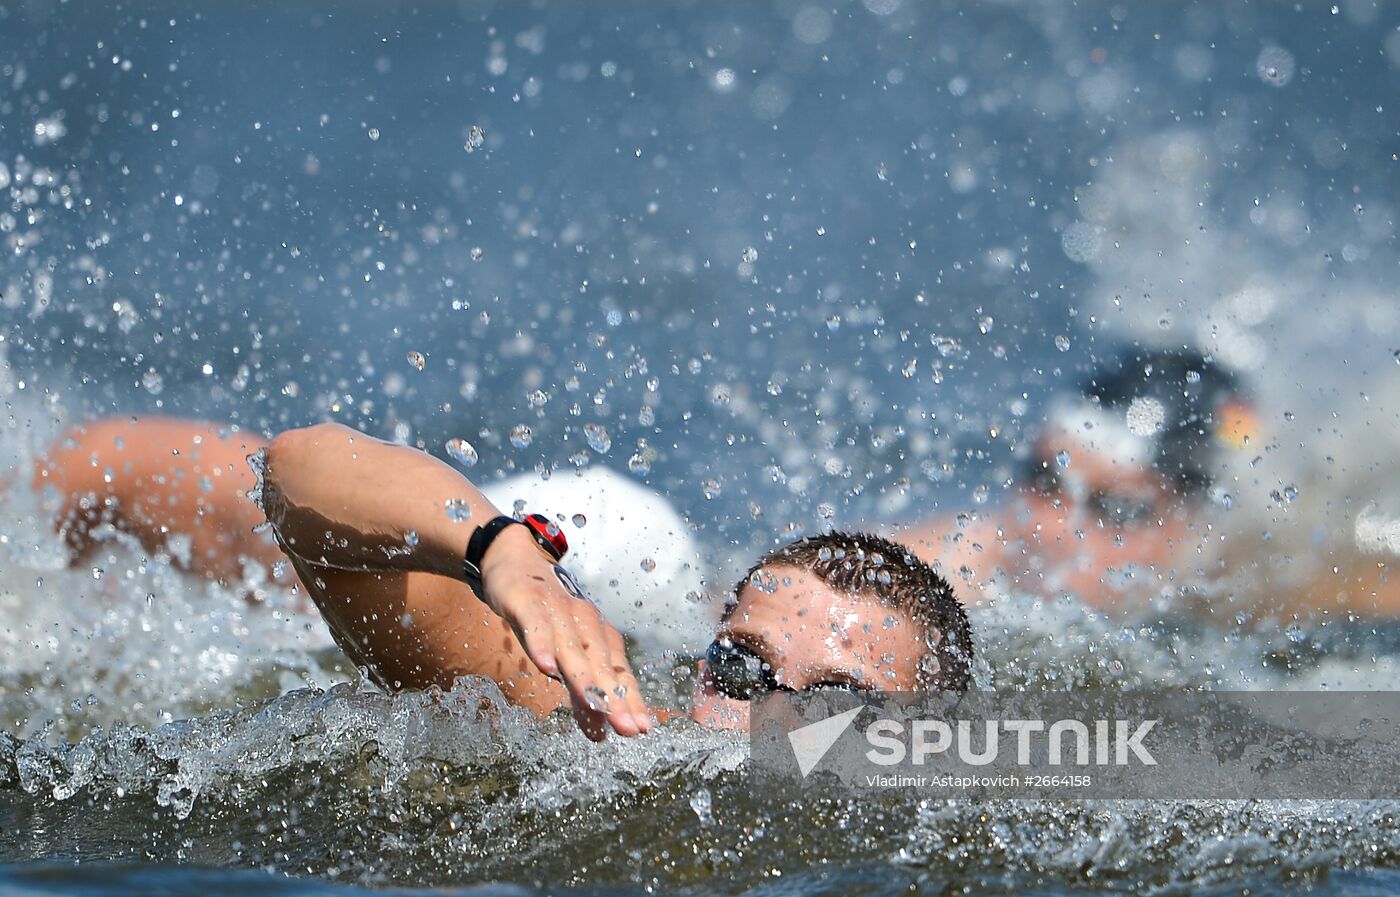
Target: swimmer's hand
{"points": [[564, 634]]}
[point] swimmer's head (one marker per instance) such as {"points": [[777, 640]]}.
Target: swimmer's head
{"points": [[1162, 417], [1121, 473], [843, 610]]}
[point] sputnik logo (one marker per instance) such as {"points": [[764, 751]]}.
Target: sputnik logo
{"points": [[811, 742]]}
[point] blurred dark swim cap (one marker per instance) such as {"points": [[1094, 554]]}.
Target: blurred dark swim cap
{"points": [[1204, 410]]}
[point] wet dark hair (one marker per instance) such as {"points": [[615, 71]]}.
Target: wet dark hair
{"points": [[866, 564], [1191, 387]]}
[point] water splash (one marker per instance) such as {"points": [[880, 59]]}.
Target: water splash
{"points": [[461, 451]]}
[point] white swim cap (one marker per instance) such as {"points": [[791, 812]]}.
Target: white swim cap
{"points": [[635, 555]]}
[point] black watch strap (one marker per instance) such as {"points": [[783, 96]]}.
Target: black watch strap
{"points": [[476, 550]]}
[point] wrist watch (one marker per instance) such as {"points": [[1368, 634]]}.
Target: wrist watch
{"points": [[547, 535]]}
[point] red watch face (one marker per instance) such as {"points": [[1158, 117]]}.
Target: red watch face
{"points": [[550, 536]]}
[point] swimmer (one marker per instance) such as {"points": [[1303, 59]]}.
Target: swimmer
{"points": [[421, 578], [1116, 489]]}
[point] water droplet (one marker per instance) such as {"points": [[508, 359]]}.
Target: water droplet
{"points": [[648, 565], [826, 510], [981, 494], [580, 521], [598, 438], [833, 323], [373, 133], [985, 324], [153, 382], [462, 452], [476, 136], [1062, 458], [749, 255], [1081, 242], [521, 436], [1062, 343], [417, 360], [1290, 493], [702, 803], [410, 538], [947, 346], [910, 368], [477, 253], [639, 464], [458, 510], [1275, 66], [1146, 416]]}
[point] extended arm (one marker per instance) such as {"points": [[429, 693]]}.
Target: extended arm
{"points": [[378, 533]]}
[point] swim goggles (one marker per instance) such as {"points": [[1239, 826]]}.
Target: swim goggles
{"points": [[739, 673]]}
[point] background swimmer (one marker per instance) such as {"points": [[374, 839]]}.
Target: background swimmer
{"points": [[1115, 500]]}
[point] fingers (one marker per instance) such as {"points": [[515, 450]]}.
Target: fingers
{"points": [[568, 640], [536, 636], [632, 689], [603, 691]]}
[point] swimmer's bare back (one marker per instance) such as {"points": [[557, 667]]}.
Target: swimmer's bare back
{"points": [[160, 480]]}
